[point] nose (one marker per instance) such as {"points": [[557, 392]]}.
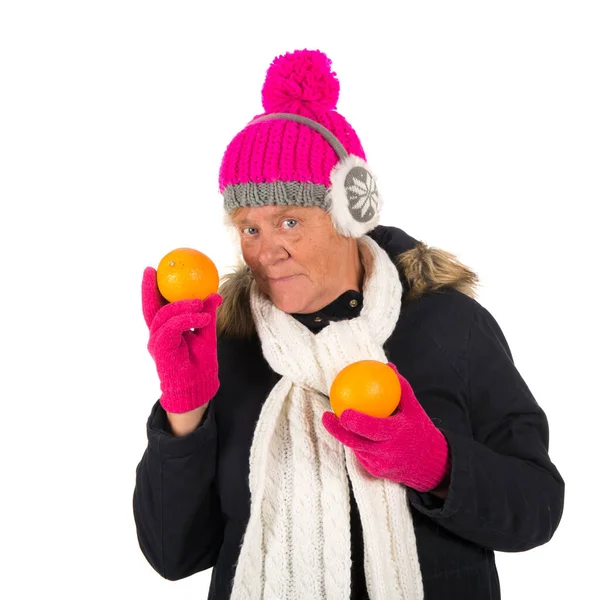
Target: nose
{"points": [[271, 250]]}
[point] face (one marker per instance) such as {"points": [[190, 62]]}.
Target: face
{"points": [[296, 256]]}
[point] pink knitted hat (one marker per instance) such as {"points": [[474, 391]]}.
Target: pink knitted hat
{"points": [[293, 152]]}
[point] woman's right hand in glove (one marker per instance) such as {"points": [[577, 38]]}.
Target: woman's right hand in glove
{"points": [[183, 344]]}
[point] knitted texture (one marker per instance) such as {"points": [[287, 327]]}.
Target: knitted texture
{"points": [[302, 83], [405, 447], [280, 193], [297, 541], [186, 361]]}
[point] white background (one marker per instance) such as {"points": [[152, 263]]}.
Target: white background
{"points": [[482, 122]]}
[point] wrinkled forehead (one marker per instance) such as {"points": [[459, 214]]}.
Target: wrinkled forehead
{"points": [[242, 215]]}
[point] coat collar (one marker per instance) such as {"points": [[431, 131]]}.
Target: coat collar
{"points": [[346, 306], [421, 268]]}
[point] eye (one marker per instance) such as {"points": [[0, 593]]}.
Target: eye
{"points": [[249, 231], [291, 223]]}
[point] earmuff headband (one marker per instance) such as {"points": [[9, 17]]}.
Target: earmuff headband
{"points": [[355, 204], [333, 141]]}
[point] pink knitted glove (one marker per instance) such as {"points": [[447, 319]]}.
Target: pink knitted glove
{"points": [[186, 361], [405, 447]]}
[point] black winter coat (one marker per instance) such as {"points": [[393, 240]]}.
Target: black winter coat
{"points": [[191, 498]]}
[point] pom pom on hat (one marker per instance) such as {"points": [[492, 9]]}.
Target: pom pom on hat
{"points": [[302, 76]]}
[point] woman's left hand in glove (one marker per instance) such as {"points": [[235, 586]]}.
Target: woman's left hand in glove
{"points": [[405, 447]]}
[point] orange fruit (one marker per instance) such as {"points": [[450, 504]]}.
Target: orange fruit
{"points": [[186, 274], [368, 386]]}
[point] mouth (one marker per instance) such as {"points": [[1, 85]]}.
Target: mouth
{"points": [[281, 279]]}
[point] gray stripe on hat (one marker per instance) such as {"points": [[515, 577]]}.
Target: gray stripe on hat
{"points": [[280, 193], [333, 141]]}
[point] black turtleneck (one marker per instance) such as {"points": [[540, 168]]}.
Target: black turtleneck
{"points": [[346, 306]]}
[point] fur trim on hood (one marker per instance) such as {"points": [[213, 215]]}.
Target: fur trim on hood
{"points": [[422, 269]]}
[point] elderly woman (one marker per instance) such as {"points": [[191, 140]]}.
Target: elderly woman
{"points": [[247, 469]]}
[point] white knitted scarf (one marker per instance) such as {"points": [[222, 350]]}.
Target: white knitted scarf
{"points": [[297, 541]]}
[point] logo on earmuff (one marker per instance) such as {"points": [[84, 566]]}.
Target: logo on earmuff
{"points": [[362, 194]]}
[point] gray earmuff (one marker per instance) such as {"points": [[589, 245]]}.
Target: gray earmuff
{"points": [[354, 201]]}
